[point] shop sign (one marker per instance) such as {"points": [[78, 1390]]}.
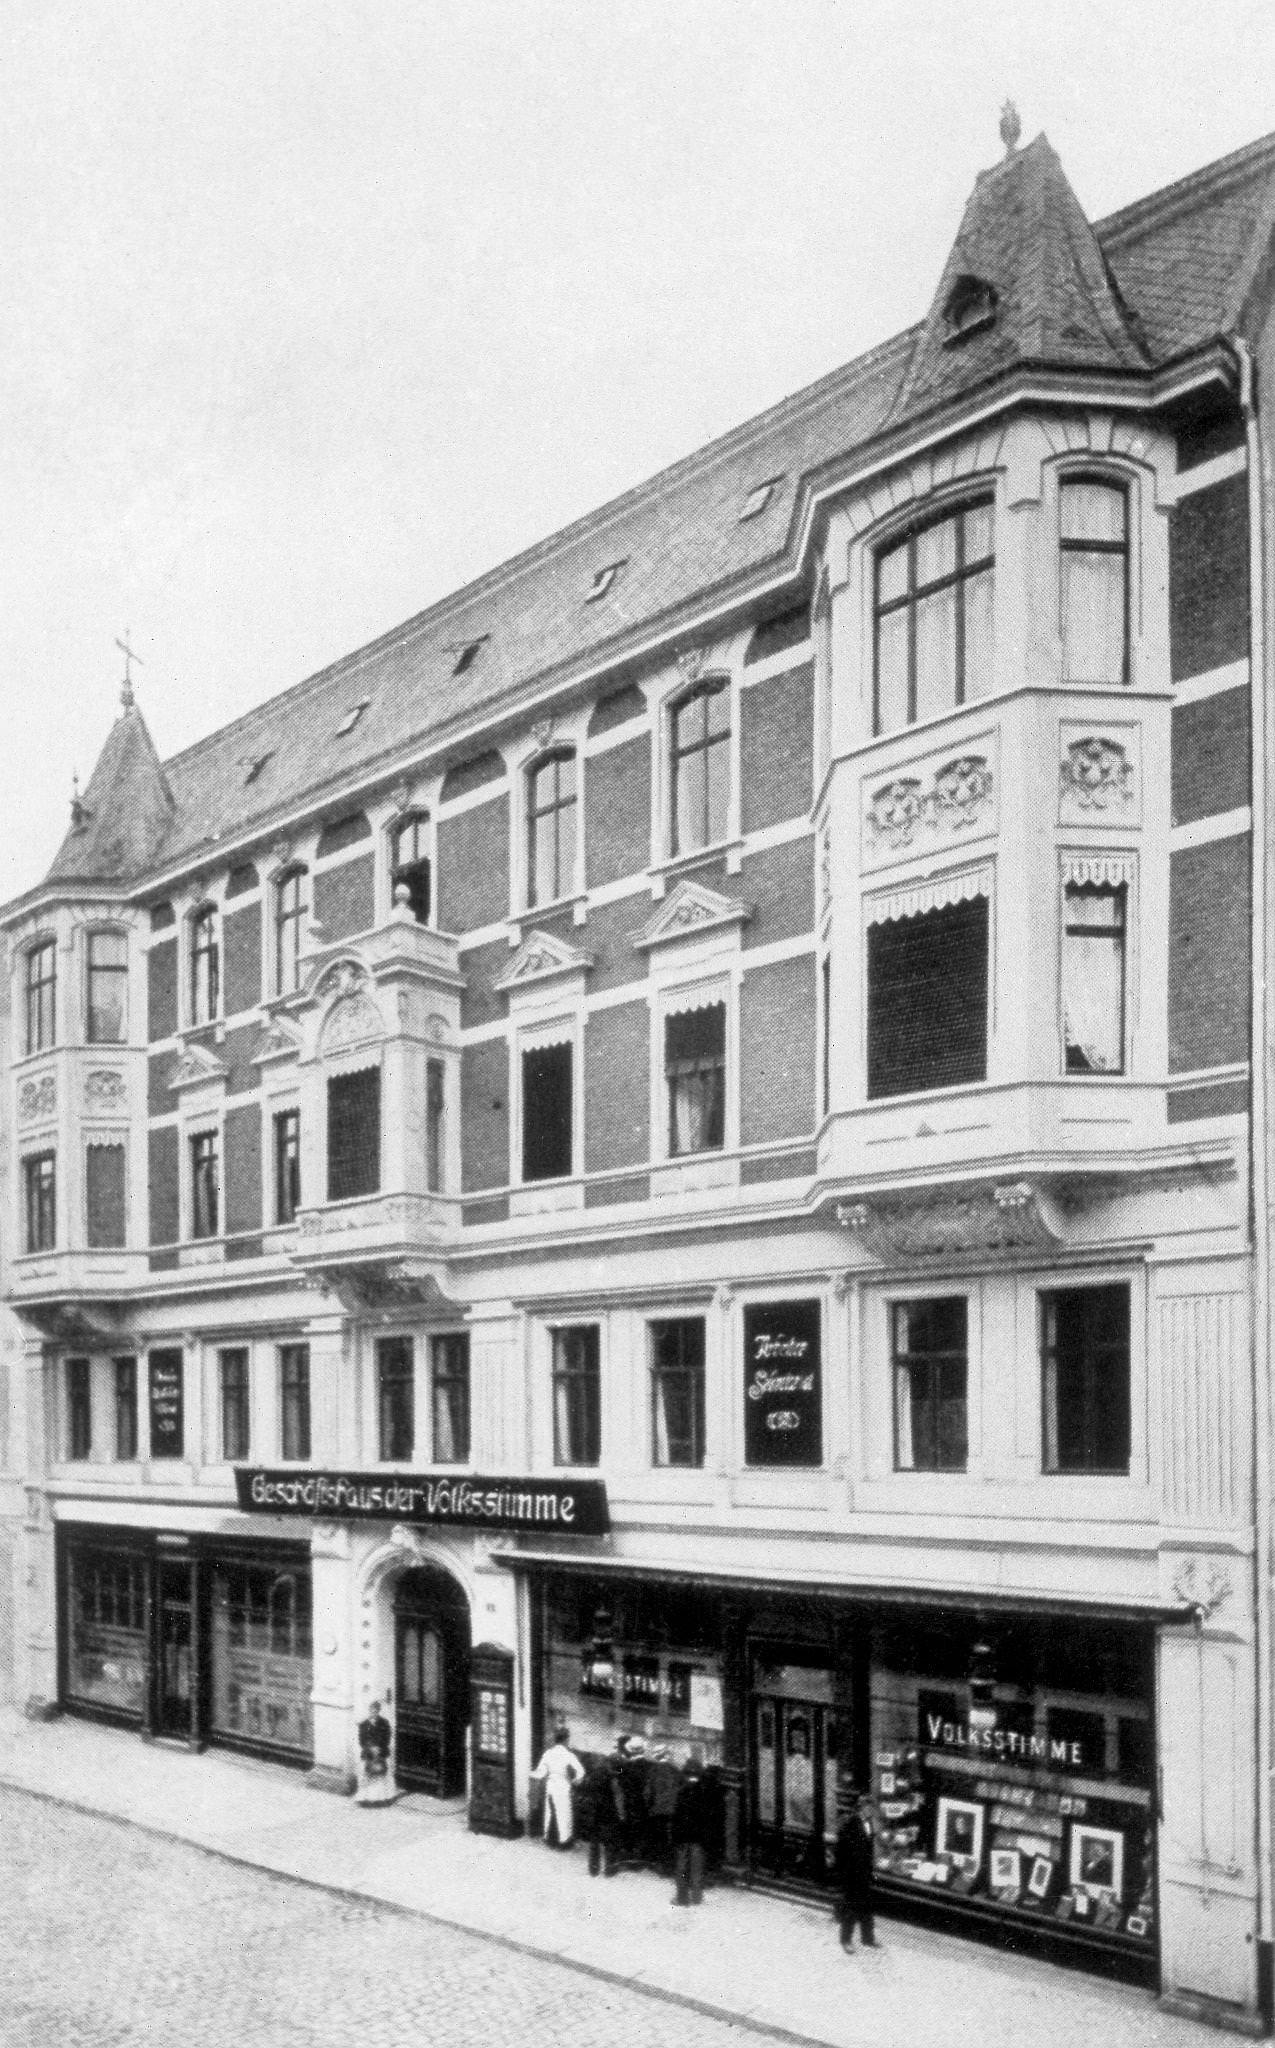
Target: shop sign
{"points": [[1007, 1743], [578, 1507], [706, 1701], [783, 1384], [166, 1404]]}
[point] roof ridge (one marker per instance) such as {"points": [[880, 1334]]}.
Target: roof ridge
{"points": [[1155, 208]]}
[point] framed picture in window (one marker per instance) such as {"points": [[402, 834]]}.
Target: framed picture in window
{"points": [[1097, 1861], [1006, 1870], [959, 1833], [1040, 1877]]}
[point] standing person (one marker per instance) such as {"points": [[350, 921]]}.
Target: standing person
{"points": [[560, 1768], [604, 1799], [635, 1771], [852, 1865], [662, 1789], [690, 1828], [375, 1787]]}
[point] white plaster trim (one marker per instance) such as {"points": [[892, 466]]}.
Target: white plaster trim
{"points": [[618, 735], [1204, 1076], [779, 949], [799, 655], [1226, 825], [1233, 463], [1233, 675], [1101, 868], [486, 793]]}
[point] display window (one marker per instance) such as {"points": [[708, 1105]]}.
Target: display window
{"points": [[262, 1655], [633, 1661], [106, 1631]]}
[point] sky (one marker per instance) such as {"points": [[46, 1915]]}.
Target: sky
{"points": [[315, 309]]}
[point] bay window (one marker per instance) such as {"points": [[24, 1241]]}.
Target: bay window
{"points": [[1093, 977], [41, 995], [927, 993], [1093, 571], [354, 1134], [106, 995], [933, 617]]}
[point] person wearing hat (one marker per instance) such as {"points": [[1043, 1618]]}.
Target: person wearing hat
{"points": [[635, 1772], [375, 1785], [559, 1769], [691, 1830], [605, 1803], [852, 1867]]}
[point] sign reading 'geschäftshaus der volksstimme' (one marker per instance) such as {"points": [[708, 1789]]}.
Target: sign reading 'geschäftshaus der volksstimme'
{"points": [[576, 1506]]}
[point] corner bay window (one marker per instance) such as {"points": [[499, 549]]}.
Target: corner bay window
{"points": [[205, 967], [410, 865], [677, 1391], [395, 1399], [547, 1112], [79, 1409], [205, 1184], [233, 1372], [695, 1071], [41, 995], [927, 999], [930, 1393], [449, 1396], [1085, 1373], [577, 1395], [699, 767], [106, 996], [354, 1134], [1093, 571], [289, 923], [287, 1165], [1093, 978], [39, 1189], [551, 828], [294, 1401], [933, 615]]}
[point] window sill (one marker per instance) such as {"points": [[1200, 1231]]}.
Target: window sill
{"points": [[521, 921], [662, 872]]}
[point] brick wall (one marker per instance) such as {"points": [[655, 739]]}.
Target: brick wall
{"points": [[617, 1093], [609, 936], [1209, 954], [618, 812], [779, 883], [484, 1115], [777, 749], [241, 958], [1208, 578], [472, 774], [787, 629], [343, 832], [237, 1050], [481, 966], [243, 1167], [164, 1167], [777, 1052], [161, 990], [344, 897], [160, 1068], [473, 867], [1210, 756]]}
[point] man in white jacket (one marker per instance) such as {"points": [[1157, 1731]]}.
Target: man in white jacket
{"points": [[560, 1768]]}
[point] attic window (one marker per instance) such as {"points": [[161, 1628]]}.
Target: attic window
{"points": [[352, 717], [971, 306], [467, 654], [758, 498], [253, 768], [603, 579]]}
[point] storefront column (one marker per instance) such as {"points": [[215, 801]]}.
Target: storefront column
{"points": [[332, 1699], [36, 1562], [853, 1751], [734, 1737]]}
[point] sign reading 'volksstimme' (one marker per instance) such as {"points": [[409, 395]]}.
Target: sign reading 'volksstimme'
{"points": [[578, 1507]]}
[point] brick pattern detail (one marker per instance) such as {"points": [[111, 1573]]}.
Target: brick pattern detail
{"points": [[617, 805], [1210, 756], [467, 775], [1208, 578], [484, 1115], [473, 867], [777, 748], [241, 879], [1209, 954], [777, 1052], [779, 883], [161, 990], [1205, 439], [243, 1168], [1218, 1098], [609, 936], [617, 709], [164, 1168], [241, 959], [237, 1051], [345, 897], [617, 1088], [481, 966]]}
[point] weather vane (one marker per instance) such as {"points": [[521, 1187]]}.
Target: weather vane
{"points": [[126, 693]]}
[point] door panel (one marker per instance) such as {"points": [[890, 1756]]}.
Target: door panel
{"points": [[431, 1661], [175, 1659], [795, 1752]]}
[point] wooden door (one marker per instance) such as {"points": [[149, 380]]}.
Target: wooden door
{"points": [[431, 1663]]}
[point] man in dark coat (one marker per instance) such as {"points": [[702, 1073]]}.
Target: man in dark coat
{"points": [[374, 1741], [691, 1829], [852, 1866], [602, 1797]]}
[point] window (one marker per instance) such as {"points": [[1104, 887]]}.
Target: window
{"points": [[354, 1134], [699, 766], [125, 1371], [577, 1396], [449, 1397], [410, 865], [1093, 978], [205, 1184], [289, 924], [547, 1112], [435, 1127], [695, 1071], [677, 1392], [1093, 570], [934, 618], [1085, 1358], [396, 1399], [551, 828], [106, 1021], [287, 1165], [930, 1385], [927, 999], [205, 967], [105, 1202], [233, 1370], [79, 1409], [39, 1184], [294, 1401], [41, 991]]}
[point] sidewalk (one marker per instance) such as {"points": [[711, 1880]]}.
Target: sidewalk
{"points": [[742, 1956]]}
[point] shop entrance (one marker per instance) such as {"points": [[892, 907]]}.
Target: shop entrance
{"points": [[175, 1660], [796, 1745], [431, 1678]]}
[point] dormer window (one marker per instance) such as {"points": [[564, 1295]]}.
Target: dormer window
{"points": [[971, 306], [253, 767], [205, 966], [934, 617], [352, 717], [551, 827], [410, 864], [603, 579]]}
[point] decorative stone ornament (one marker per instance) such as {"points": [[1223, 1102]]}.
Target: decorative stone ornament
{"points": [[541, 957], [196, 1068], [37, 1098], [690, 909], [959, 795], [104, 1089], [1097, 774], [1008, 1220]]}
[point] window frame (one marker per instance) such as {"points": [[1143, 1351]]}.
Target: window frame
{"points": [[203, 1150], [1121, 485], [125, 1410], [234, 1402], [717, 684], [115, 972], [295, 1403], [286, 1164], [450, 1368], [1050, 1461], [203, 984], [535, 1041], [1122, 890], [578, 1381], [952, 510], [937, 1400], [40, 1201], [289, 909], [694, 1374], [395, 1409], [421, 824], [673, 1011], [41, 1030], [566, 864], [357, 1070]]}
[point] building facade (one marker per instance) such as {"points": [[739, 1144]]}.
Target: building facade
{"points": [[675, 1144]]}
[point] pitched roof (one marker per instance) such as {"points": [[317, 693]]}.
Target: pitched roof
{"points": [[126, 813]]}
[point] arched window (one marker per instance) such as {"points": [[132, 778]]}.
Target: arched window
{"points": [[699, 766], [41, 995], [106, 990], [289, 925], [410, 864], [551, 827], [933, 613], [1093, 579], [205, 966]]}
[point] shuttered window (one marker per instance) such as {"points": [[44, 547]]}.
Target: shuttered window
{"points": [[354, 1134], [927, 1000]]}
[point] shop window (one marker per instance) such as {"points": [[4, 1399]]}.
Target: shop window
{"points": [[410, 866], [577, 1395], [395, 1399], [41, 995], [354, 1134], [551, 827], [79, 1409], [205, 1184], [1077, 1740], [547, 1112], [930, 1372], [105, 1201], [677, 1391], [1093, 567], [934, 617], [1093, 978], [927, 1000], [699, 767], [39, 1189], [287, 1165], [205, 966], [232, 1369], [435, 1124], [449, 1396], [1085, 1356], [294, 1402], [125, 1377], [106, 994], [106, 1660], [695, 1075], [167, 1413], [289, 929], [262, 1657]]}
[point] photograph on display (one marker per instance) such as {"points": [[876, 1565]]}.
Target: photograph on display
{"points": [[1006, 1870], [959, 1832], [1041, 1877], [1097, 1861]]}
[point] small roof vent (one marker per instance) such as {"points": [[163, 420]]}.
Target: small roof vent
{"points": [[468, 652], [252, 767], [352, 717], [759, 498], [970, 307], [603, 580]]}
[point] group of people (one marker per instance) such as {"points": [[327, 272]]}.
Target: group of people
{"points": [[633, 1809]]}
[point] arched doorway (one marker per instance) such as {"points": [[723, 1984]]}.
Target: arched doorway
{"points": [[431, 1682]]}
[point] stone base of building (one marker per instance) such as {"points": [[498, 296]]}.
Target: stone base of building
{"points": [[1212, 2012], [325, 1778]]}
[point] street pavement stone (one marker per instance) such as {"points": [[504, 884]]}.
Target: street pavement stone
{"points": [[111, 1938]]}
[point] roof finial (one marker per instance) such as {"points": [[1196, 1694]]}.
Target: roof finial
{"points": [[127, 698], [1011, 127]]}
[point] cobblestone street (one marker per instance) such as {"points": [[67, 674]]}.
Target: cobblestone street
{"points": [[111, 1937]]}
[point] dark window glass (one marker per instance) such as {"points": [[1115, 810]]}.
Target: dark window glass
{"points": [[294, 1401], [39, 1183], [927, 1000], [107, 993], [699, 767], [1093, 957], [41, 994], [1085, 1355], [105, 1197], [125, 1370], [449, 1397], [577, 1396], [551, 828], [410, 865], [695, 1070], [354, 1134], [289, 928], [396, 1398], [546, 1113], [677, 1392], [435, 1126], [934, 618], [930, 1375], [1093, 571], [233, 1368], [205, 967], [205, 1184], [287, 1165], [79, 1409]]}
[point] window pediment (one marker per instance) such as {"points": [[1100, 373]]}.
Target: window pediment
{"points": [[542, 957], [278, 1042], [690, 910], [198, 1068]]}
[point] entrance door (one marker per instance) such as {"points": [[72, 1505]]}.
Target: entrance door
{"points": [[431, 1660], [175, 1651], [795, 1750]]}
